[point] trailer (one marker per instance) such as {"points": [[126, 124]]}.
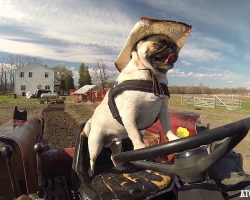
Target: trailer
{"points": [[50, 98]]}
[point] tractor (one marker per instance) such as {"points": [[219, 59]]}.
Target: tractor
{"points": [[193, 167]]}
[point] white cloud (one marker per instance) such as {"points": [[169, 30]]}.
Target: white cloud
{"points": [[227, 76], [72, 54], [198, 54], [7, 12], [83, 31], [78, 23], [209, 42], [229, 15], [203, 49]]}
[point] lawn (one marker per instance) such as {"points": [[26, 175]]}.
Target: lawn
{"points": [[19, 100], [217, 116], [8, 103], [245, 107]]}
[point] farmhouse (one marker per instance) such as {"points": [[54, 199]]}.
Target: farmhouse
{"points": [[35, 76]]}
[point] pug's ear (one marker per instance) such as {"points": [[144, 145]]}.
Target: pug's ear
{"points": [[139, 65]]}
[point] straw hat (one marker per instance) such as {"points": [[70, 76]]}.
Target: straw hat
{"points": [[177, 31]]}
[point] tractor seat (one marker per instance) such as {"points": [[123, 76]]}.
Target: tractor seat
{"points": [[109, 183]]}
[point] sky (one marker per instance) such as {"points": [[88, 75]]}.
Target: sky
{"points": [[69, 32]]}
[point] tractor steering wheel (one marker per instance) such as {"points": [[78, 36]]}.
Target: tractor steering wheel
{"points": [[194, 167]]}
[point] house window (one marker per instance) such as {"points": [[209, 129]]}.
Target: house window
{"points": [[21, 74], [30, 74], [39, 86], [47, 87], [23, 87], [46, 74]]}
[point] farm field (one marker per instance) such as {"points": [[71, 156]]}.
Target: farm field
{"points": [[72, 114], [8, 103], [215, 117]]}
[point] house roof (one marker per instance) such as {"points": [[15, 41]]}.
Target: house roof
{"points": [[33, 65], [84, 89]]}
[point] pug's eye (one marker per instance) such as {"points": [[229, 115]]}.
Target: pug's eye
{"points": [[161, 43]]}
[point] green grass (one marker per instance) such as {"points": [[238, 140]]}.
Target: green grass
{"points": [[19, 100], [245, 107], [175, 100], [217, 114], [5, 98]]}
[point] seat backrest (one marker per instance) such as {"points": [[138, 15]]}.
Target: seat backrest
{"points": [[81, 155]]}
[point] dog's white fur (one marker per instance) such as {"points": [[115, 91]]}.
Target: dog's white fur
{"points": [[137, 109]]}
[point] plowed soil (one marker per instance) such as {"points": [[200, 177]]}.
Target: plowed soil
{"points": [[62, 122]]}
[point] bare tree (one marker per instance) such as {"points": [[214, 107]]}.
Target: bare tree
{"points": [[103, 75], [7, 71], [17, 62], [1, 77], [4, 77]]}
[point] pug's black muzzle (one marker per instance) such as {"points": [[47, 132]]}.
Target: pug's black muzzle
{"points": [[163, 56]]}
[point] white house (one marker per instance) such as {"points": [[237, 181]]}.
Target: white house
{"points": [[35, 76]]}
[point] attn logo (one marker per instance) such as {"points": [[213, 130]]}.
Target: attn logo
{"points": [[245, 193]]}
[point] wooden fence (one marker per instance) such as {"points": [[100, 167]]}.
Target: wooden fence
{"points": [[211, 102]]}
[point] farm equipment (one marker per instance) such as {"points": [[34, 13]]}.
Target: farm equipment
{"points": [[50, 98], [30, 167], [39, 92]]}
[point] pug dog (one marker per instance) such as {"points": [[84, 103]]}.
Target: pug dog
{"points": [[151, 58]]}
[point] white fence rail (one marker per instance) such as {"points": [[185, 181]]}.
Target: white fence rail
{"points": [[211, 102]]}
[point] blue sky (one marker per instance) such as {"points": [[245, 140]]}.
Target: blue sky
{"points": [[69, 32]]}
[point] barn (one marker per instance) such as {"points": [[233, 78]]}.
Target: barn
{"points": [[84, 93], [88, 93]]}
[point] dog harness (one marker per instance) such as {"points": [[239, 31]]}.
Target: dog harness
{"points": [[137, 85]]}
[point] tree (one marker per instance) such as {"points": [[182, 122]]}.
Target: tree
{"points": [[16, 62], [84, 76], [7, 70], [67, 81], [103, 76]]}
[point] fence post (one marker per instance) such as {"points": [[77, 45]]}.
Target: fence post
{"points": [[215, 102]]}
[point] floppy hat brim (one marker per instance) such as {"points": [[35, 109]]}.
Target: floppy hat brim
{"points": [[177, 31]]}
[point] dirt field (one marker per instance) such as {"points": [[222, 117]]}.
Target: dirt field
{"points": [[61, 122]]}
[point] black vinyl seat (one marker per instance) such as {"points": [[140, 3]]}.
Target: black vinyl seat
{"points": [[109, 183]]}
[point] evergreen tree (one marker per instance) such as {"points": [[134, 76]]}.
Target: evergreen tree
{"points": [[84, 76], [67, 81]]}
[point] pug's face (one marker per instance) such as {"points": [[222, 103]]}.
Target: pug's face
{"points": [[158, 52]]}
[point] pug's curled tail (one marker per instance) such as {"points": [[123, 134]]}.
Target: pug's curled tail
{"points": [[86, 128]]}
